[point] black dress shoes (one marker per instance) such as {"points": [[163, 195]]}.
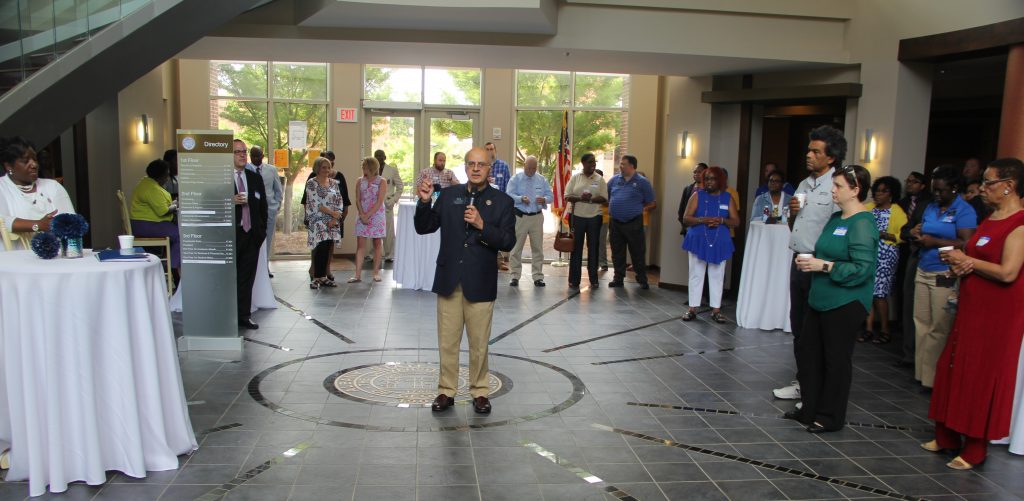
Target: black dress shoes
{"points": [[614, 284], [574, 286], [793, 414], [645, 286], [514, 282], [816, 428], [539, 283], [903, 364], [442, 402], [248, 324], [271, 274], [481, 405]]}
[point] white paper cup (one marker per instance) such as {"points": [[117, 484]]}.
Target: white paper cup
{"points": [[804, 256], [127, 243], [802, 198], [244, 194], [946, 249]]}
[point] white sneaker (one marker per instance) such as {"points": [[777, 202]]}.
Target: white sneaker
{"points": [[791, 392], [799, 405]]}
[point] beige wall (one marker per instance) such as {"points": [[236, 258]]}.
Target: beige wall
{"points": [[347, 140], [103, 143], [145, 95], [682, 111], [498, 111]]}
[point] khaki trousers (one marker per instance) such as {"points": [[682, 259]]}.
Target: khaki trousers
{"points": [[932, 322], [533, 227], [454, 313], [389, 232]]}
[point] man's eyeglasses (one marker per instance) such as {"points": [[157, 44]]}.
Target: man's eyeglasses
{"points": [[239, 152]]}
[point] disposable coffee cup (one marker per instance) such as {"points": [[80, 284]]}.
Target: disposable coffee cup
{"points": [[802, 198], [245, 195], [127, 243], [804, 256], [946, 249]]}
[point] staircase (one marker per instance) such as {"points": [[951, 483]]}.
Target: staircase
{"points": [[59, 59]]}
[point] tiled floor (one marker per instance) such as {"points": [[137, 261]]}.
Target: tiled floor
{"points": [[567, 429]]}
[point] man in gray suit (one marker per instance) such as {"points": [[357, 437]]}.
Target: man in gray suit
{"points": [[275, 194], [395, 186]]}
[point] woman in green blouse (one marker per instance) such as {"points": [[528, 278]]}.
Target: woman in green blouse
{"points": [[152, 210], [843, 267]]}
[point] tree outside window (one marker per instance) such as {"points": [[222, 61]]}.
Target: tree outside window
{"points": [[288, 91]]}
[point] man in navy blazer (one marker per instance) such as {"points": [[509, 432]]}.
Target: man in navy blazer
{"points": [[476, 221]]}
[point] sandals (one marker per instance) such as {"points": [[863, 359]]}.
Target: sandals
{"points": [[328, 283], [315, 284], [330, 276], [690, 315], [932, 446], [882, 338], [958, 463], [5, 460], [718, 317], [354, 280], [376, 278], [865, 337]]}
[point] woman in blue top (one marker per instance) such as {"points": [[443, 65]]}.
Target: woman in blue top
{"points": [[949, 221], [709, 215]]}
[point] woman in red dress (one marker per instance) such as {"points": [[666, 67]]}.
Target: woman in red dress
{"points": [[976, 374]]}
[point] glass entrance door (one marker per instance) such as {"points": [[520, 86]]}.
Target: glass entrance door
{"points": [[452, 133], [396, 133]]}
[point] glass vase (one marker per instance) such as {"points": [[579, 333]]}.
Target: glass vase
{"points": [[72, 247]]}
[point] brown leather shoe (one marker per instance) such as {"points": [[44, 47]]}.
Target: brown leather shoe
{"points": [[442, 402], [481, 405]]}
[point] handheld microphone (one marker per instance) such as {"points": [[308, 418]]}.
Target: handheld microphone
{"points": [[472, 200]]}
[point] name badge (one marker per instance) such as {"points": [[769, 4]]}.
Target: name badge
{"points": [[983, 240], [840, 231], [724, 207], [459, 201], [947, 219]]}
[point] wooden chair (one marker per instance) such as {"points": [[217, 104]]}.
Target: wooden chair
{"points": [[164, 242], [7, 237]]}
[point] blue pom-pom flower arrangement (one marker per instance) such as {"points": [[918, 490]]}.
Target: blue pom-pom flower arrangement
{"points": [[46, 245], [69, 226]]}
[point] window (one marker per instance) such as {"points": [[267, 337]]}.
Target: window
{"points": [[598, 112], [393, 84], [257, 100], [598, 104], [452, 86]]}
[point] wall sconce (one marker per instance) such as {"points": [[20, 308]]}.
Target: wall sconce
{"points": [[685, 145], [142, 129], [870, 146]]}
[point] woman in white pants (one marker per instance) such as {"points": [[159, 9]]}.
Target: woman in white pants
{"points": [[709, 215]]}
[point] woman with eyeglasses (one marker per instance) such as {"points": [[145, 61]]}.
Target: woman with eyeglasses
{"points": [[974, 383], [771, 206], [949, 221], [842, 281], [709, 215], [890, 219]]}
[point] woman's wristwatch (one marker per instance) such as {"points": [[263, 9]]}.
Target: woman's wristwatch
{"points": [[826, 267]]}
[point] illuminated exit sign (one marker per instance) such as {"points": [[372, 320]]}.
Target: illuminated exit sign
{"points": [[346, 115]]}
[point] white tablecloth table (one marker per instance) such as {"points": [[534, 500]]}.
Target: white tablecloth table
{"points": [[90, 380], [763, 301], [262, 290], [415, 255]]}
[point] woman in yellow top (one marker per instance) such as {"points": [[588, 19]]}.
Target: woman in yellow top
{"points": [[152, 211], [890, 219]]}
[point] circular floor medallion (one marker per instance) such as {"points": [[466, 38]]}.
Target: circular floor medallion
{"points": [[404, 384]]}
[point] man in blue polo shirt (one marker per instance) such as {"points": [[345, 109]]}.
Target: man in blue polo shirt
{"points": [[629, 195], [499, 178], [532, 194]]}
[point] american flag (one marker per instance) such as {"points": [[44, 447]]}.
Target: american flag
{"points": [[563, 168]]}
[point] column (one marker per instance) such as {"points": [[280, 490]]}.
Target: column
{"points": [[1011, 125]]}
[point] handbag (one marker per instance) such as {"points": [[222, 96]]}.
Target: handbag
{"points": [[564, 240]]}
